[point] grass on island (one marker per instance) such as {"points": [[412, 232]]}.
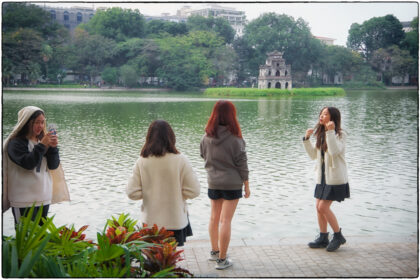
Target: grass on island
{"points": [[253, 92]]}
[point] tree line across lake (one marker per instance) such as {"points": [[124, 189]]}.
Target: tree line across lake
{"points": [[121, 46]]}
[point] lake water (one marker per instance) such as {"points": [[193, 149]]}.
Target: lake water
{"points": [[101, 134]]}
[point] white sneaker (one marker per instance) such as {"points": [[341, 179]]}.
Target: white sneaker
{"points": [[214, 255], [222, 264]]}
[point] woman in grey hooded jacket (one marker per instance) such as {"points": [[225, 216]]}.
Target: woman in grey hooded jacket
{"points": [[223, 150]]}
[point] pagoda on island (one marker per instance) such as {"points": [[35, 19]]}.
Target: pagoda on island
{"points": [[275, 73]]}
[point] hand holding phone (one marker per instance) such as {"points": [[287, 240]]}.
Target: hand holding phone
{"points": [[52, 131], [52, 128]]}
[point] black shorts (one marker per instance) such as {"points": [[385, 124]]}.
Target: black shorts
{"points": [[225, 194]]}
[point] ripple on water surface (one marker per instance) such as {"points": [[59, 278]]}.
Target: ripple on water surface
{"points": [[101, 136]]}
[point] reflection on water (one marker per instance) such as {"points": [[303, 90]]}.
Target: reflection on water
{"points": [[101, 136]]}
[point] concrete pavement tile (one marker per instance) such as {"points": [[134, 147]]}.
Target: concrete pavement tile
{"points": [[297, 260]]}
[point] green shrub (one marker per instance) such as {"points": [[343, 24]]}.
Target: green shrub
{"points": [[47, 251], [364, 85], [253, 92]]}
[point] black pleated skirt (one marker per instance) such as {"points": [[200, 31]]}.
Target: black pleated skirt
{"points": [[181, 234], [332, 192]]}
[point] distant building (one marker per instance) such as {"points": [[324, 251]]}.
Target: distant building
{"points": [[70, 17], [237, 19], [406, 26], [166, 17], [275, 73], [325, 40]]}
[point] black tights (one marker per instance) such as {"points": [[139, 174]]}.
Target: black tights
{"points": [[19, 212]]}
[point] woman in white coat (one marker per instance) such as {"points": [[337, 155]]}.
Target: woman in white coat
{"points": [[332, 182], [164, 179]]}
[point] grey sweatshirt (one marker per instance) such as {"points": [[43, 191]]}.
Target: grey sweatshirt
{"points": [[225, 160]]}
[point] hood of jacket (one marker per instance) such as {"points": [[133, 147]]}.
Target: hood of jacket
{"points": [[222, 134], [23, 116]]}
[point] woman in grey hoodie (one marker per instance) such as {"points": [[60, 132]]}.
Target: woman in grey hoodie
{"points": [[223, 150]]}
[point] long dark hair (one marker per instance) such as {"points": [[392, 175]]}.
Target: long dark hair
{"points": [[224, 113], [29, 124], [335, 117], [160, 140]]}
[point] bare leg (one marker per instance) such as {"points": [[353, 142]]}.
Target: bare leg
{"points": [[324, 208], [322, 220], [228, 209], [216, 208]]}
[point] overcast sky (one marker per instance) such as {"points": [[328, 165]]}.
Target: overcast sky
{"points": [[328, 19]]}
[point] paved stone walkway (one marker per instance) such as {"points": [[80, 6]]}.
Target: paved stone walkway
{"points": [[359, 257]]}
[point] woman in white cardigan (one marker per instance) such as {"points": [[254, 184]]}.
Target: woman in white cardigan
{"points": [[164, 179], [332, 182]]}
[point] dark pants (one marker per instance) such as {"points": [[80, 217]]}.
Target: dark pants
{"points": [[19, 212]]}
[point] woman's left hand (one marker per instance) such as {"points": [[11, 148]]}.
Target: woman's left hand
{"points": [[330, 125], [247, 191]]}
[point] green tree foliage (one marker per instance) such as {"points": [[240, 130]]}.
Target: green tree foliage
{"points": [[128, 75], [110, 75], [156, 28], [365, 77], [141, 54], [17, 15], [271, 32], [21, 53], [117, 23], [126, 51], [197, 53], [149, 60], [30, 40], [392, 62], [375, 33], [411, 40], [186, 59], [341, 60], [244, 54], [90, 53], [219, 25], [225, 63]]}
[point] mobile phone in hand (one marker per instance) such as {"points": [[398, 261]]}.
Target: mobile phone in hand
{"points": [[52, 128]]}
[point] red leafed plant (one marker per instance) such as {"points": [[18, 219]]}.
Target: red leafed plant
{"points": [[74, 235], [155, 260], [156, 235], [164, 256], [120, 235], [122, 230]]}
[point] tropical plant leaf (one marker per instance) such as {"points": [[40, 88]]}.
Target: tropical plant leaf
{"points": [[164, 273], [107, 251], [15, 262], [29, 235], [50, 267], [48, 251], [6, 258]]}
